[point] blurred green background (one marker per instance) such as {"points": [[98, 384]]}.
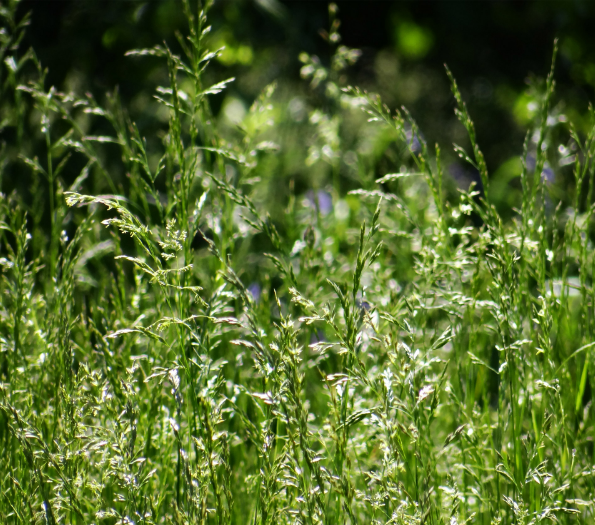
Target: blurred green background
{"points": [[499, 52]]}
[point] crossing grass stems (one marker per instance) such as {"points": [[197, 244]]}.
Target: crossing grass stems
{"points": [[415, 360]]}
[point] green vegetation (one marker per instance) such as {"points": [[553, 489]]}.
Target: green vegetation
{"points": [[288, 313]]}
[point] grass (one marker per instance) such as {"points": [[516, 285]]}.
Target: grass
{"points": [[191, 334]]}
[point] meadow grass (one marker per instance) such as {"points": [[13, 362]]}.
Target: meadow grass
{"points": [[189, 335]]}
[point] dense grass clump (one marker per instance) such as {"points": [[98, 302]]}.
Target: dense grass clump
{"points": [[197, 328]]}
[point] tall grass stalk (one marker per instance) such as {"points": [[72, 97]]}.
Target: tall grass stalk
{"points": [[175, 349]]}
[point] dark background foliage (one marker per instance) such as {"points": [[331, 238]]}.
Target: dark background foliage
{"points": [[499, 51]]}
